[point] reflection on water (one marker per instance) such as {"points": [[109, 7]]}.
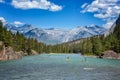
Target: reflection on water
{"points": [[60, 67]]}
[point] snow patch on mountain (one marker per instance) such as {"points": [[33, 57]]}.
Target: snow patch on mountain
{"points": [[54, 35]]}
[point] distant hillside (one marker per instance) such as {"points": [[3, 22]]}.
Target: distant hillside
{"points": [[19, 42], [90, 45], [53, 35], [96, 44]]}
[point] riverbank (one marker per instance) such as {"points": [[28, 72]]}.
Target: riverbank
{"points": [[109, 54], [8, 53]]}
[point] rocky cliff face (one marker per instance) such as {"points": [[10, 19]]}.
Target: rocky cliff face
{"points": [[111, 30], [7, 53]]}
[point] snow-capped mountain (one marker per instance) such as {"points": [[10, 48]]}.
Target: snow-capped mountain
{"points": [[25, 28], [10, 27], [22, 29], [55, 36], [83, 32]]}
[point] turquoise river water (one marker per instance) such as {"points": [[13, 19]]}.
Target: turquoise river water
{"points": [[60, 67]]}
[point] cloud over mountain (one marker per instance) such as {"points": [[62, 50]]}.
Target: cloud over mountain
{"points": [[106, 10], [2, 19], [18, 23]]}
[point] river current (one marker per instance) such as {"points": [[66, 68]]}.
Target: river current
{"points": [[60, 67]]}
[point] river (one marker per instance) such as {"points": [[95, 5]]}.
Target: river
{"points": [[60, 67]]}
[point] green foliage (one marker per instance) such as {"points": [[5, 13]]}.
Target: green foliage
{"points": [[19, 42], [91, 46], [97, 44]]}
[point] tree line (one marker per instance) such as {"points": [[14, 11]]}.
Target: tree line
{"points": [[20, 43], [97, 44], [90, 46]]}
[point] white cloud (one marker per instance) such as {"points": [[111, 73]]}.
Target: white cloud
{"points": [[2, 19], [55, 7], [18, 23], [37, 4], [107, 10], [84, 5], [108, 25]]}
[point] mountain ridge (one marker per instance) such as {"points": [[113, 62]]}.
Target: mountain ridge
{"points": [[54, 35]]}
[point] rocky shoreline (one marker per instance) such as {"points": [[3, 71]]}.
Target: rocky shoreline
{"points": [[110, 54], [8, 53]]}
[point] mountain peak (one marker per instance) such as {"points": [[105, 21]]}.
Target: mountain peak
{"points": [[55, 35], [28, 25], [93, 25], [118, 20]]}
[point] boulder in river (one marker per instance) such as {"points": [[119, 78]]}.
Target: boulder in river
{"points": [[109, 55]]}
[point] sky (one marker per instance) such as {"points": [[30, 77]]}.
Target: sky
{"points": [[65, 14]]}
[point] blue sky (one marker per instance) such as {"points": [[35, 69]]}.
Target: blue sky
{"points": [[64, 14]]}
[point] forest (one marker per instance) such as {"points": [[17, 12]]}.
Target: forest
{"points": [[90, 46], [20, 43]]}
